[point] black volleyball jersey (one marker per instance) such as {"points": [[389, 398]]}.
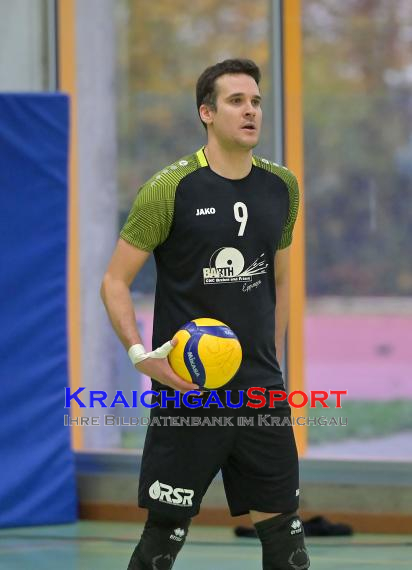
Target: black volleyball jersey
{"points": [[214, 240]]}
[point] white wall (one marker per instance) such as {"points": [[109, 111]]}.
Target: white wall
{"points": [[23, 45], [98, 209]]}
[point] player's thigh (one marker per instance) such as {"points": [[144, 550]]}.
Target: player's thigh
{"points": [[178, 464], [262, 472]]}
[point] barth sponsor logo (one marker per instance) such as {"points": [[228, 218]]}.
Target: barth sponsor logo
{"points": [[248, 288], [227, 265], [165, 493]]}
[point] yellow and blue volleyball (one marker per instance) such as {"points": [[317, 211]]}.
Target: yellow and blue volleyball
{"points": [[208, 353]]}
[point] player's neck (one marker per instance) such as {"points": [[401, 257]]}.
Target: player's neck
{"points": [[229, 163]]}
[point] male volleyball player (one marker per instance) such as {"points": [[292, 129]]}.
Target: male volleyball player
{"points": [[226, 211]]}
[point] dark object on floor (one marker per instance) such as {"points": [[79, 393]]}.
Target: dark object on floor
{"points": [[316, 526], [319, 526]]}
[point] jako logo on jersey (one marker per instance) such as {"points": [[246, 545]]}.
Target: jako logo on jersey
{"points": [[205, 211], [296, 527], [226, 265], [178, 535], [166, 494]]}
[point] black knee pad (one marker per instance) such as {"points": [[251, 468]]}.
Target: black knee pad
{"points": [[283, 543], [160, 543]]}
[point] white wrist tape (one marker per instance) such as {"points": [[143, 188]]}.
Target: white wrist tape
{"points": [[137, 352]]}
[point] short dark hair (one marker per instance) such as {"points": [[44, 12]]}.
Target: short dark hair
{"points": [[206, 84]]}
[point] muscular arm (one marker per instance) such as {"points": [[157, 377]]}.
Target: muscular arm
{"points": [[124, 265], [282, 258]]}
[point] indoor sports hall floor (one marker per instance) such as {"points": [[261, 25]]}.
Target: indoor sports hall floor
{"points": [[107, 546]]}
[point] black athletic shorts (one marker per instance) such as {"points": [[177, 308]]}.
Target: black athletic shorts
{"points": [[185, 448]]}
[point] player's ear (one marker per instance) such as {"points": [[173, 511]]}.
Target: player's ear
{"points": [[206, 114]]}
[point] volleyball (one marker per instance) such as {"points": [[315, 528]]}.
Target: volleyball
{"points": [[208, 353]]}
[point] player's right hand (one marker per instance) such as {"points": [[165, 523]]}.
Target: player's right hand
{"points": [[159, 369]]}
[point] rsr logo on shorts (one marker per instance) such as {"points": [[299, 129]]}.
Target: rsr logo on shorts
{"points": [[166, 494]]}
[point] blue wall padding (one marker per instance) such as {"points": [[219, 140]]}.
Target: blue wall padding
{"points": [[37, 480]]}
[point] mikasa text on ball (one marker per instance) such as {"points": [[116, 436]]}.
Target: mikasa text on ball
{"points": [[208, 353]]}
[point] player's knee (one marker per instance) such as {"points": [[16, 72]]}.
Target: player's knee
{"points": [[162, 539], [283, 543]]}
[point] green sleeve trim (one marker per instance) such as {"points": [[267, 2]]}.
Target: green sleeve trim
{"points": [[151, 216], [201, 158], [292, 185]]}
